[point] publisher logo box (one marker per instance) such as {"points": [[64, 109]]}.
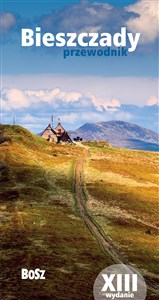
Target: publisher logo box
{"points": [[32, 274]]}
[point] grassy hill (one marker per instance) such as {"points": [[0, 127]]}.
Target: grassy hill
{"points": [[122, 192], [39, 224], [41, 228]]}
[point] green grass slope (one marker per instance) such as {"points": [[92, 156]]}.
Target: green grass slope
{"points": [[39, 226]]}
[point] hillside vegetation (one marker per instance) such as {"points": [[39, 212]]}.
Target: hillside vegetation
{"points": [[40, 225], [122, 192]]}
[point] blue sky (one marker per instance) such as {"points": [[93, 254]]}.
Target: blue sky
{"points": [[44, 7], [38, 82]]}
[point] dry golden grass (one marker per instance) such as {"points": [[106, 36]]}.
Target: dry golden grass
{"points": [[123, 198], [39, 226]]}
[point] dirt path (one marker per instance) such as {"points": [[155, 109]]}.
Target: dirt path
{"points": [[104, 242]]}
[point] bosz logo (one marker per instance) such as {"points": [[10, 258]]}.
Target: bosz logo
{"points": [[32, 274], [119, 282]]}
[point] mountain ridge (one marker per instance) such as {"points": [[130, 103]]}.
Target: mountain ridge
{"points": [[120, 134]]}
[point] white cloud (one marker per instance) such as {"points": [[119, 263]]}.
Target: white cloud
{"points": [[122, 115], [128, 90], [74, 107], [91, 10], [29, 118], [94, 117], [142, 17], [70, 118], [107, 104], [147, 22], [7, 21], [91, 29], [21, 99], [83, 117], [17, 99], [106, 6], [152, 101], [93, 16], [56, 93]]}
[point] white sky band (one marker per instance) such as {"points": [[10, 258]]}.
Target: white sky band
{"points": [[71, 39]]}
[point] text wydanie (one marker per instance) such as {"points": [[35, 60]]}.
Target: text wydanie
{"points": [[71, 39]]}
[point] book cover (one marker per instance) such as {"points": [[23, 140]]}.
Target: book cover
{"points": [[79, 150]]}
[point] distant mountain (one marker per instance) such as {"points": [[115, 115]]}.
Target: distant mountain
{"points": [[119, 134]]}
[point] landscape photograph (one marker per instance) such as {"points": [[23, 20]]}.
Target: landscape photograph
{"points": [[79, 149]]}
